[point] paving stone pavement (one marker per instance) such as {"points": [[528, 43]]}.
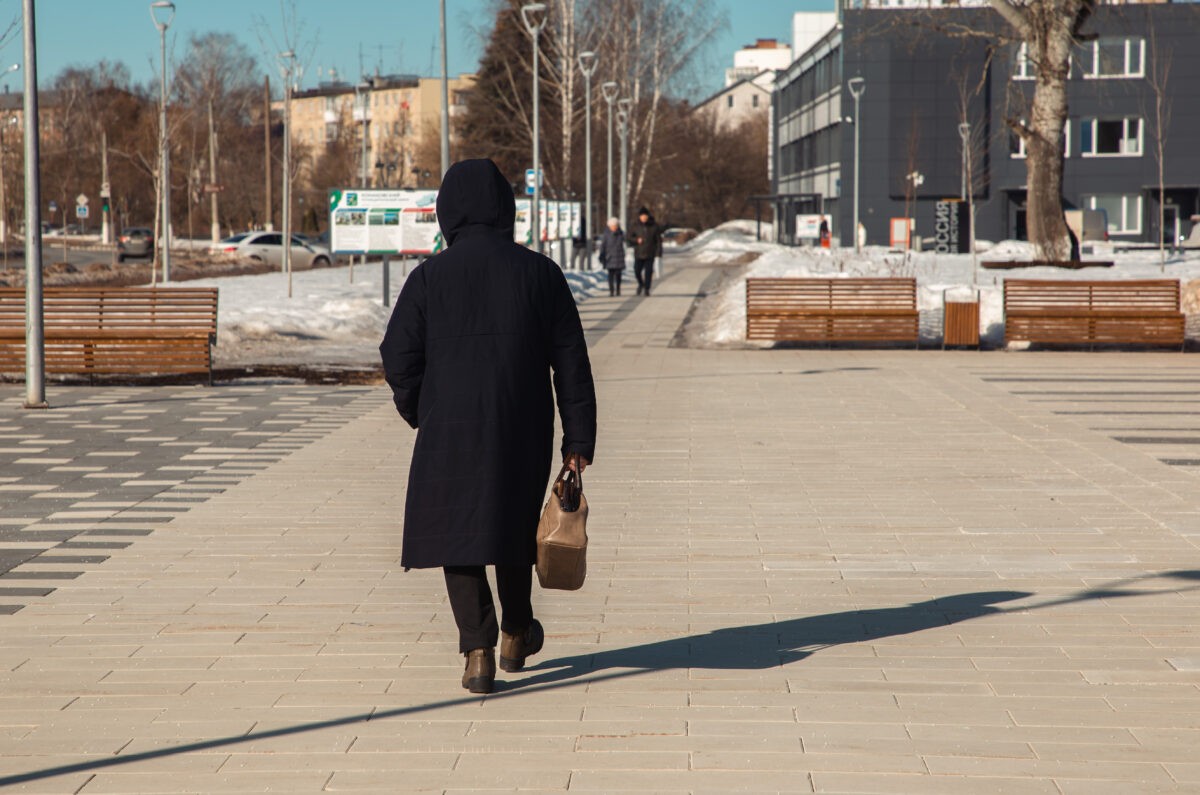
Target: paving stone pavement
{"points": [[811, 571]]}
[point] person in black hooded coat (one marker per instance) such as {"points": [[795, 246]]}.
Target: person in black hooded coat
{"points": [[468, 353]]}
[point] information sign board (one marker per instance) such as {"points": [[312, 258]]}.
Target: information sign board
{"points": [[522, 231], [402, 222]]}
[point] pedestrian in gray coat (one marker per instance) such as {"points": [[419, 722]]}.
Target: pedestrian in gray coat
{"points": [[612, 255]]}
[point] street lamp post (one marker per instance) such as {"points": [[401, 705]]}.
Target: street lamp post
{"points": [[587, 65], [534, 17], [445, 96], [964, 132], [857, 86], [35, 340], [162, 13], [623, 106], [362, 97], [287, 64], [609, 92]]}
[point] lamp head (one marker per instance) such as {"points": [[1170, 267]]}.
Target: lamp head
{"points": [[534, 17], [624, 104], [609, 90], [12, 68], [587, 63], [162, 12], [857, 86]]}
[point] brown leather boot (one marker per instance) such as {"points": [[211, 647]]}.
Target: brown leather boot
{"points": [[515, 648], [480, 674]]}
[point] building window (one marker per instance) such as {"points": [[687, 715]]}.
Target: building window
{"points": [[729, 101], [1016, 144], [754, 101], [1023, 69], [1113, 57], [1111, 137], [1124, 211]]}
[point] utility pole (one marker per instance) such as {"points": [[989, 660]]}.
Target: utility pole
{"points": [[212, 173], [35, 341], [268, 216], [287, 65]]}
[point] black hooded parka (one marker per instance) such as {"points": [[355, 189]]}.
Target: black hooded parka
{"points": [[468, 353]]}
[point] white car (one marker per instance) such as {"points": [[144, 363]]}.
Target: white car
{"points": [[268, 247]]}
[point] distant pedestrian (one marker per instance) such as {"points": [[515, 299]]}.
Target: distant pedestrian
{"points": [[468, 354], [579, 248], [612, 255], [646, 236]]}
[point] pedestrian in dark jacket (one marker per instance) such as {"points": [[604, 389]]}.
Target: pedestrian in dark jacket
{"points": [[646, 235], [612, 255], [468, 354]]}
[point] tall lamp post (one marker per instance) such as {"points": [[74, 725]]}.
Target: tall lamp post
{"points": [[35, 341], [362, 98], [287, 66], [609, 92], [964, 132], [623, 106], [534, 17], [162, 13], [857, 86], [445, 96], [587, 65]]}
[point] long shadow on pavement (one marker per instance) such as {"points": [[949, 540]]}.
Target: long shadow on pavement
{"points": [[756, 647]]}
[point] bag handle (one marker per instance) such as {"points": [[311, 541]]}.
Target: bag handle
{"points": [[568, 486]]}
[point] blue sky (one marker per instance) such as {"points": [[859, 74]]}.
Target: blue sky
{"points": [[399, 35]]}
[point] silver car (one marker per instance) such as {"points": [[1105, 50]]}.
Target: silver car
{"points": [[267, 247]]}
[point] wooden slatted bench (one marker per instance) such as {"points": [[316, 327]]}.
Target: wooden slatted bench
{"points": [[115, 330], [1090, 313], [832, 310]]}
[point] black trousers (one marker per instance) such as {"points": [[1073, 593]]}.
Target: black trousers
{"points": [[643, 269], [614, 282], [474, 611]]}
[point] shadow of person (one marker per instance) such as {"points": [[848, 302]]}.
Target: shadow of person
{"points": [[773, 644]]}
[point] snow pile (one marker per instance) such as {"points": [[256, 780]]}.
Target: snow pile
{"points": [[328, 319], [939, 277]]}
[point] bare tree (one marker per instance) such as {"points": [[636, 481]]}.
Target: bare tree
{"points": [[650, 48], [1158, 75], [1049, 30]]}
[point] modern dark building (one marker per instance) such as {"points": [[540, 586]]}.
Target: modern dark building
{"points": [[925, 73]]}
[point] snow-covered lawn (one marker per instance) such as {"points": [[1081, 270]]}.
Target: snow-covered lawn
{"points": [[328, 319], [950, 275]]}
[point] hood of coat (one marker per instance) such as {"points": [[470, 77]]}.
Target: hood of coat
{"points": [[475, 193]]}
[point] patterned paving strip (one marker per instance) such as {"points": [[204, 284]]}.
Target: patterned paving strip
{"points": [[1119, 400], [104, 467]]}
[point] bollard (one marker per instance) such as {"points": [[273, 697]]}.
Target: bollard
{"points": [[387, 281]]}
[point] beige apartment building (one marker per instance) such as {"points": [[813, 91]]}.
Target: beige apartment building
{"points": [[401, 112]]}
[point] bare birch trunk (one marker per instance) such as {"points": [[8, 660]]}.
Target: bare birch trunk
{"points": [[1049, 29]]}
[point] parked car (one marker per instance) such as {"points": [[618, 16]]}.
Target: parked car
{"points": [[677, 236], [135, 241], [268, 247]]}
